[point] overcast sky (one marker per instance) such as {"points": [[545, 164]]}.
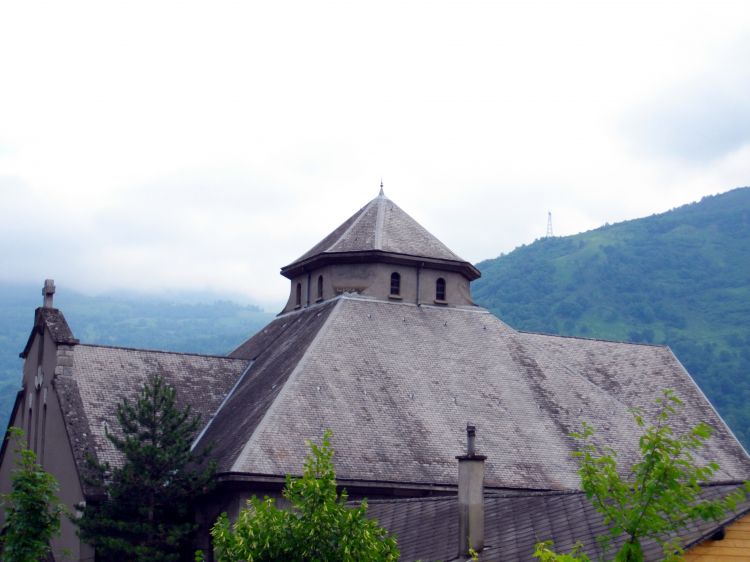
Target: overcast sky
{"points": [[203, 145]]}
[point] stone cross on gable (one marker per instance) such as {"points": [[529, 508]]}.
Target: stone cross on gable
{"points": [[48, 291]]}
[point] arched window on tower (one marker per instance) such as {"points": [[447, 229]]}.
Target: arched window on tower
{"points": [[395, 284], [440, 289], [320, 287], [298, 299]]}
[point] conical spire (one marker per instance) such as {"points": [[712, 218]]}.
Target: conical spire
{"points": [[378, 229]]}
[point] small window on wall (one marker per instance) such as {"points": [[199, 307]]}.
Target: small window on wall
{"points": [[320, 286], [298, 299], [440, 289], [395, 284]]}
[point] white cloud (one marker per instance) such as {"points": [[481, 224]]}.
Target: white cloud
{"points": [[196, 145], [701, 119]]}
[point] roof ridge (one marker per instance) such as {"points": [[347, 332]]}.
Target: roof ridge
{"points": [[703, 394], [250, 443], [541, 352], [379, 220], [191, 354], [311, 306], [380, 231], [362, 213], [236, 384], [585, 338]]}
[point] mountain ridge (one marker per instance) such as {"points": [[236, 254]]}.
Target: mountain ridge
{"points": [[679, 278], [131, 321]]}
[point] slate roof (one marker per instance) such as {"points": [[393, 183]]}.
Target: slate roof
{"points": [[55, 322], [397, 384], [381, 226], [101, 376], [427, 528], [275, 352]]}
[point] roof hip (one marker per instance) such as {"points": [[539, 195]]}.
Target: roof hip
{"points": [[380, 231]]}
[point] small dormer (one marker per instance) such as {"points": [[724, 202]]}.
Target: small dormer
{"points": [[381, 252]]}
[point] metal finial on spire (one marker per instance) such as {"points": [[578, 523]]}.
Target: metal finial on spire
{"points": [[381, 188]]}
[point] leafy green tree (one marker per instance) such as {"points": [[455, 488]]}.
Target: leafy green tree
{"points": [[544, 553], [32, 510], [661, 493], [318, 526], [148, 511]]}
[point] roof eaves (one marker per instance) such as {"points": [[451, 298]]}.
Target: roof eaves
{"points": [[708, 534], [367, 256], [449, 490]]}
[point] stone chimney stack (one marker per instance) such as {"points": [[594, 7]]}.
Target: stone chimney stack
{"points": [[470, 497], [48, 291]]}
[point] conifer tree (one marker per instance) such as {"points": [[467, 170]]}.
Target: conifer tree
{"points": [[148, 509]]}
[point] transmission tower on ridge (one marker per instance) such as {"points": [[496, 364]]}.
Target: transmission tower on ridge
{"points": [[549, 225]]}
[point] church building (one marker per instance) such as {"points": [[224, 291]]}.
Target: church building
{"points": [[381, 342]]}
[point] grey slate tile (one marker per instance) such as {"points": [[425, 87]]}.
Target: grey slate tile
{"points": [[428, 527], [397, 389], [382, 225]]}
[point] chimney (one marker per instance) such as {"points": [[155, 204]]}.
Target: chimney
{"points": [[470, 497], [48, 291]]}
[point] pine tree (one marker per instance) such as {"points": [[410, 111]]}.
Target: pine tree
{"points": [[148, 509]]}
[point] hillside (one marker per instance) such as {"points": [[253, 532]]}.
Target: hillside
{"points": [[681, 278], [130, 321]]}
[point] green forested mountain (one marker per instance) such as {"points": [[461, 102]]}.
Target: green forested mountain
{"points": [[129, 321], [681, 278]]}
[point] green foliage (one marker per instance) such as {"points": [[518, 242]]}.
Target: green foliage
{"points": [[148, 510], [317, 527], [681, 278], [543, 551], [659, 495], [32, 510]]}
